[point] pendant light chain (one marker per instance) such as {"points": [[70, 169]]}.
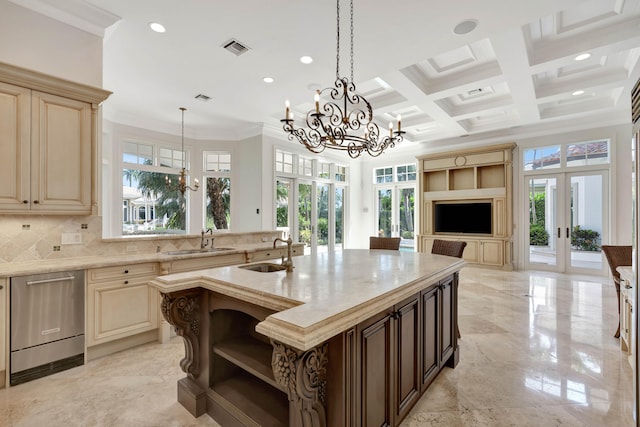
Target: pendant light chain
{"points": [[352, 41], [338, 40]]}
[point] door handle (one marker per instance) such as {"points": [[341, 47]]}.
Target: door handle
{"points": [[567, 232], [558, 232]]}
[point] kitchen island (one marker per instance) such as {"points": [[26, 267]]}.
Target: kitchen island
{"points": [[351, 338]]}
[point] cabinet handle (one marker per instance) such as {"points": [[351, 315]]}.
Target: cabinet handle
{"points": [[558, 232], [1, 287], [268, 253], [627, 286], [25, 202], [126, 272], [126, 282]]}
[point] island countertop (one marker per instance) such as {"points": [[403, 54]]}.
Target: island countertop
{"points": [[325, 294]]}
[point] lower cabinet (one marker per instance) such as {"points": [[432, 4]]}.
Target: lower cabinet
{"points": [[401, 351], [627, 333], [492, 252], [3, 328], [120, 302]]}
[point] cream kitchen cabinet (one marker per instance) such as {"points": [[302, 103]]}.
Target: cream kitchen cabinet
{"points": [[120, 302], [48, 155], [3, 330]]}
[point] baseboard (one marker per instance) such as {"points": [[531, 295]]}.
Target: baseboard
{"points": [[115, 346]]}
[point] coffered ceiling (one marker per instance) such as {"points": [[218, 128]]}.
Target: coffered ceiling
{"points": [[515, 74]]}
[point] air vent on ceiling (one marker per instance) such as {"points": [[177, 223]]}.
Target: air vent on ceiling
{"points": [[475, 91], [235, 47], [635, 103], [202, 97]]}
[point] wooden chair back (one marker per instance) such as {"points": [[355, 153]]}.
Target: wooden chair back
{"points": [[448, 247], [392, 243], [617, 256]]}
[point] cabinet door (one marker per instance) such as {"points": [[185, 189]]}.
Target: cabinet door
{"points": [[491, 252], [117, 310], [376, 371], [61, 158], [407, 356], [430, 354], [15, 150], [447, 319], [3, 328]]}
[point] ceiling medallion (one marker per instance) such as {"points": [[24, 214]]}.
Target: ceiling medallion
{"points": [[345, 122]]}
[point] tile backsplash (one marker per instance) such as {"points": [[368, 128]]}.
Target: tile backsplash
{"points": [[33, 237]]}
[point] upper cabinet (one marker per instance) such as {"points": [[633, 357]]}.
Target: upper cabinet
{"points": [[48, 144]]}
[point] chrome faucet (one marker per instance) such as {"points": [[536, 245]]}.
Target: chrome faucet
{"points": [[204, 242], [289, 262]]}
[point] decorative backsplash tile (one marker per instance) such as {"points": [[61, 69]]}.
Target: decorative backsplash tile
{"points": [[31, 238]]}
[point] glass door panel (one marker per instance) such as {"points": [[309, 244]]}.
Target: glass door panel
{"points": [[322, 198], [283, 206], [339, 219], [305, 216], [384, 212], [543, 221], [406, 210], [586, 220]]}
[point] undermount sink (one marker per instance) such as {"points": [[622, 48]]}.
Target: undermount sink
{"points": [[265, 267], [197, 251]]}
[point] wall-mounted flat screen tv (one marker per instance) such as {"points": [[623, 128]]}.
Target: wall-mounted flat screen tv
{"points": [[472, 217]]}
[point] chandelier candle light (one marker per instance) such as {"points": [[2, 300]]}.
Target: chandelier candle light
{"points": [[332, 125], [182, 179]]}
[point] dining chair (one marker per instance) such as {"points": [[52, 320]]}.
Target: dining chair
{"points": [[392, 243], [450, 248], [617, 256]]}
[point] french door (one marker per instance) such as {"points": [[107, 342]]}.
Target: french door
{"points": [[311, 213], [568, 221], [395, 213]]}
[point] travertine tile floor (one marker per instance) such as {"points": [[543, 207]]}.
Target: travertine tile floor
{"points": [[537, 350]]}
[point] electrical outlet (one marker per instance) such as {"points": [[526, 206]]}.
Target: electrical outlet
{"points": [[71, 239], [56, 248]]}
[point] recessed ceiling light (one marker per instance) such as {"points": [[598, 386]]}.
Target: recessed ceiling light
{"points": [[583, 56], [578, 92], [465, 27], [268, 80], [306, 59], [157, 27]]}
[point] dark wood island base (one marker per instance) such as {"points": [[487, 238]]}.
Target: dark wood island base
{"points": [[371, 374]]}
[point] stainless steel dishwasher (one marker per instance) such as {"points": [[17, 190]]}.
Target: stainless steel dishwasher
{"points": [[47, 324]]}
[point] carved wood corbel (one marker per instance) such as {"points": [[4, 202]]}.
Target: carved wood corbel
{"points": [[182, 310], [303, 376]]}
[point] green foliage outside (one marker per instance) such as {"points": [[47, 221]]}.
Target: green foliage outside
{"points": [[538, 235], [585, 239]]}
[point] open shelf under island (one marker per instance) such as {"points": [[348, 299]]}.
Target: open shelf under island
{"points": [[351, 338]]}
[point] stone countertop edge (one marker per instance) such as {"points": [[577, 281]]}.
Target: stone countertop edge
{"points": [[281, 326], [627, 274], [22, 268]]}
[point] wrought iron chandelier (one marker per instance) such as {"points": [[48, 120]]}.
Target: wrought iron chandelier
{"points": [[345, 122], [181, 185]]}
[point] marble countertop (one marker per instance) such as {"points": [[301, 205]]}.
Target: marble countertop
{"points": [[80, 263], [325, 294]]}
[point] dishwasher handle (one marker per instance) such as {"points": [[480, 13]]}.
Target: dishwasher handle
{"points": [[43, 281]]}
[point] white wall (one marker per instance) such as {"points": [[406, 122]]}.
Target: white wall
{"points": [[33, 41]]}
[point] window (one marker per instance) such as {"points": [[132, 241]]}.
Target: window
{"points": [[542, 158], [217, 165], [587, 153], [148, 207], [406, 173], [341, 173], [137, 153], [324, 170], [284, 162], [305, 166], [383, 175]]}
